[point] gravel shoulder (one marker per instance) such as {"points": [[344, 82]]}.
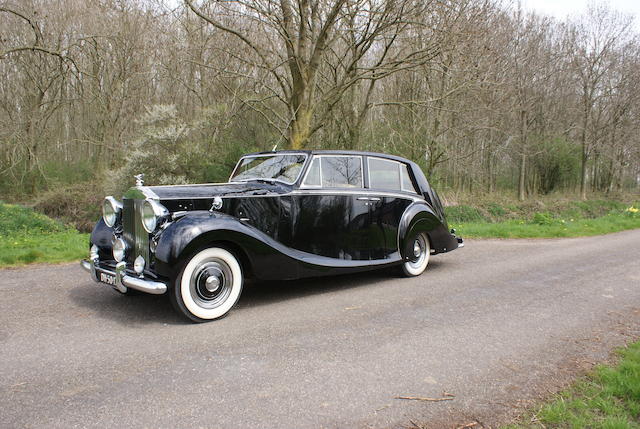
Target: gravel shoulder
{"points": [[498, 324]]}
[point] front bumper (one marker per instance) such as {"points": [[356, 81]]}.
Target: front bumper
{"points": [[123, 280]]}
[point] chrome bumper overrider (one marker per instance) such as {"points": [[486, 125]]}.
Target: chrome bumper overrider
{"points": [[124, 281]]}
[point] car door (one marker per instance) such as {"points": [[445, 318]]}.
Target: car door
{"points": [[391, 191], [332, 218]]}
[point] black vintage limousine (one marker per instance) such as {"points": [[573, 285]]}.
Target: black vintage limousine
{"points": [[282, 215]]}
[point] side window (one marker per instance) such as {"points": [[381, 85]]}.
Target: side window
{"points": [[313, 175], [341, 171], [384, 174], [407, 185]]}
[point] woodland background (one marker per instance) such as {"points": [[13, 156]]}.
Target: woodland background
{"points": [[484, 95]]}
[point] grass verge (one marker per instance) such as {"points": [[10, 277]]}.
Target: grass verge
{"points": [[574, 219], [27, 237], [609, 398]]}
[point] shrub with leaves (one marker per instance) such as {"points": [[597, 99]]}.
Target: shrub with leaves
{"points": [[173, 151]]}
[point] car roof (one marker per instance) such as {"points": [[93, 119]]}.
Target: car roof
{"points": [[334, 152]]}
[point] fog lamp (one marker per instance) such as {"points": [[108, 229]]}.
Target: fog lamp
{"points": [[119, 249], [138, 265], [93, 254]]}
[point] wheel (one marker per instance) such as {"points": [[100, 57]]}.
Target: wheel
{"points": [[420, 257], [208, 286]]}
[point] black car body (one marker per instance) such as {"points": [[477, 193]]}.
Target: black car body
{"points": [[282, 215]]}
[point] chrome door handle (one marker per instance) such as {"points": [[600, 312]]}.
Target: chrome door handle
{"points": [[363, 198], [374, 199]]}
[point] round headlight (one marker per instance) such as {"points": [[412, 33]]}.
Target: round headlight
{"points": [[119, 249], [152, 213], [110, 210]]}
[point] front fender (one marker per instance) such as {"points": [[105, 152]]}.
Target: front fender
{"points": [[200, 228], [102, 236]]}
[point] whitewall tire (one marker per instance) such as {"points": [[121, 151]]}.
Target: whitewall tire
{"points": [[420, 252], [209, 285]]}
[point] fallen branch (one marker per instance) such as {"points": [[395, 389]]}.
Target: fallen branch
{"points": [[418, 398], [468, 425]]}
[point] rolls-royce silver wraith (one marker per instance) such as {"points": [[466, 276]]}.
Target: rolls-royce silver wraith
{"points": [[282, 215]]}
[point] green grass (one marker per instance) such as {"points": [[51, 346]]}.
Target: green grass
{"points": [[27, 237], [609, 398], [575, 219]]}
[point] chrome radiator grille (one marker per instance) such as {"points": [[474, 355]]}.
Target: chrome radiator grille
{"points": [[136, 237]]}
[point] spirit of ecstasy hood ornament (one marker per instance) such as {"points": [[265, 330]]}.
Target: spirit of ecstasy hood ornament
{"points": [[139, 179]]}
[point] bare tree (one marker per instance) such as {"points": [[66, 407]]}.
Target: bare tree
{"points": [[315, 51]]}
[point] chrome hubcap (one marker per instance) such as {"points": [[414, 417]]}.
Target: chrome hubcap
{"points": [[211, 282], [420, 252], [417, 250]]}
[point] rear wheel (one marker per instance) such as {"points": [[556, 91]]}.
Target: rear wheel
{"points": [[420, 252], [208, 286]]}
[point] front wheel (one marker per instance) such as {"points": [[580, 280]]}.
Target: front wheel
{"points": [[208, 286], [420, 251]]}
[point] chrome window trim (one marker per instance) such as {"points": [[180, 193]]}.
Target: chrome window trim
{"points": [[412, 191], [264, 155], [330, 155], [363, 191], [399, 164], [306, 174]]}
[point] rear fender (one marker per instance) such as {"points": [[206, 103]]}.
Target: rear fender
{"points": [[420, 217]]}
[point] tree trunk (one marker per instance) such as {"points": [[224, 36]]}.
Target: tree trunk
{"points": [[521, 181], [300, 128], [583, 175]]}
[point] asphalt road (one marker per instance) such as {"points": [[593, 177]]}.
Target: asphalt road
{"points": [[496, 324]]}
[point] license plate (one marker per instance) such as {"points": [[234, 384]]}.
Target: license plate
{"points": [[108, 279]]}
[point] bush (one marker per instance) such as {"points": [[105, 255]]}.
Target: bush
{"points": [[496, 211], [17, 219], [172, 151], [544, 218], [78, 205]]}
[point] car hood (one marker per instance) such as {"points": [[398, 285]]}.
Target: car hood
{"points": [[209, 190]]}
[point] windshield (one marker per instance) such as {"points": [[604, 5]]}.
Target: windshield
{"points": [[281, 168]]}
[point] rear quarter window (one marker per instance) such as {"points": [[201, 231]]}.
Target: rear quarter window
{"points": [[389, 175]]}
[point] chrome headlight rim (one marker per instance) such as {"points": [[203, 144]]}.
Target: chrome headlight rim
{"points": [[119, 249], [111, 209], [152, 213]]}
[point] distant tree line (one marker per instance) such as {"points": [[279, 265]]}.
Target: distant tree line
{"points": [[483, 94]]}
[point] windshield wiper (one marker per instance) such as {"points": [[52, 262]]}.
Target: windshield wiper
{"points": [[271, 181], [259, 179]]}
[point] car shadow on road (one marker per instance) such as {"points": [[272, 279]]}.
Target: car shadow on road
{"points": [[144, 309], [258, 293], [139, 309]]}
